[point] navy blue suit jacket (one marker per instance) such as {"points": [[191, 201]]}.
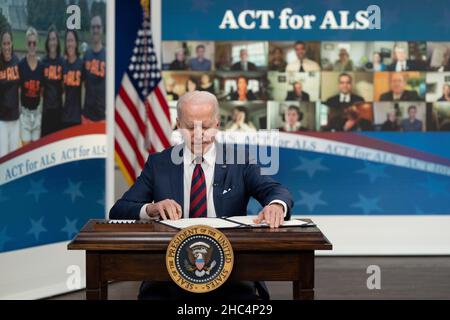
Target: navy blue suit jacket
{"points": [[162, 179]]}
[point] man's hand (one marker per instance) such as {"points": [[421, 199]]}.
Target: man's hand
{"points": [[166, 209], [272, 214]]}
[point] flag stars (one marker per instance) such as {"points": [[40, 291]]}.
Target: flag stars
{"points": [[70, 227], [37, 189], [36, 228], [373, 171], [74, 190], [311, 166], [310, 200], [367, 205]]}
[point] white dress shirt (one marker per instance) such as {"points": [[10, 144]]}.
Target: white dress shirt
{"points": [[208, 165], [400, 66], [307, 64], [344, 98]]}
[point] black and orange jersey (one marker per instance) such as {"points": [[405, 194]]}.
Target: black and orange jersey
{"points": [[94, 70], [30, 84], [73, 80], [9, 90], [53, 83]]}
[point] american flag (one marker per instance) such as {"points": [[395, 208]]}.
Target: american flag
{"points": [[142, 119]]}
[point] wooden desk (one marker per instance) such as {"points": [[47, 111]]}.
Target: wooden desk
{"points": [[136, 252]]}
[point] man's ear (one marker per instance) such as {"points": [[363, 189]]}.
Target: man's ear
{"points": [[178, 124]]}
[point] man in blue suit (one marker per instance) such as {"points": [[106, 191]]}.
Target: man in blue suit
{"points": [[201, 178]]}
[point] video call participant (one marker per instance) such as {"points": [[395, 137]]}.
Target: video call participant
{"points": [[411, 123], [52, 84], [31, 77], [302, 63], [344, 63], [345, 97], [94, 63], [239, 121], [445, 93], [179, 63], [73, 78], [292, 120], [200, 63], [354, 122], [402, 63], [391, 123], [297, 93], [242, 93], [243, 64], [170, 94], [277, 62], [9, 95], [398, 91], [191, 85], [378, 64], [206, 83]]}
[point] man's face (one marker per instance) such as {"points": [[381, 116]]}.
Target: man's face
{"points": [[345, 85], [242, 84], [199, 125], [412, 113], [400, 54], [180, 56], [291, 117], [243, 55], [298, 88], [392, 116], [300, 51], [201, 53], [447, 90], [397, 83], [96, 29]]}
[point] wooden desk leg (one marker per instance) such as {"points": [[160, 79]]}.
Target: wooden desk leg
{"points": [[95, 288], [304, 287]]}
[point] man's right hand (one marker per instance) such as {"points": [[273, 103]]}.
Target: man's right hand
{"points": [[166, 209]]}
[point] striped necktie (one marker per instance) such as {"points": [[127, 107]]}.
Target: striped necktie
{"points": [[197, 207]]}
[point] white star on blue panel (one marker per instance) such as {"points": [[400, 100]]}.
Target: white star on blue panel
{"points": [[310, 200], [74, 190], [36, 228], [367, 205], [373, 171], [70, 227], [36, 189], [311, 166]]}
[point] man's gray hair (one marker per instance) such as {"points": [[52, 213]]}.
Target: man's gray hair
{"points": [[198, 97]]}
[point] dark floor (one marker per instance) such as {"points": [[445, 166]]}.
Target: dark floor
{"points": [[346, 278]]}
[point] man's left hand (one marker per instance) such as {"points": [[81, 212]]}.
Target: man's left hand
{"points": [[272, 214]]}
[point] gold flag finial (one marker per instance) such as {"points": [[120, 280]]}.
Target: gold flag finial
{"points": [[146, 6]]}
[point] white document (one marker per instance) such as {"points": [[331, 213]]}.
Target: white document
{"points": [[229, 222], [211, 222], [248, 221]]}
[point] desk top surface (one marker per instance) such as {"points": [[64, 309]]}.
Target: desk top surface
{"points": [[99, 235]]}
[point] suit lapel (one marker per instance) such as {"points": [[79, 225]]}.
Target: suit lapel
{"points": [[220, 171]]}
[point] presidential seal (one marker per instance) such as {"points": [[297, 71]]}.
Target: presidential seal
{"points": [[199, 259]]}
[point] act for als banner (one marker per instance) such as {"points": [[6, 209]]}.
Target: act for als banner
{"points": [[305, 20], [390, 57]]}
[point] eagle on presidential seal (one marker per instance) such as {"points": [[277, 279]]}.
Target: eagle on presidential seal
{"points": [[199, 255]]}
